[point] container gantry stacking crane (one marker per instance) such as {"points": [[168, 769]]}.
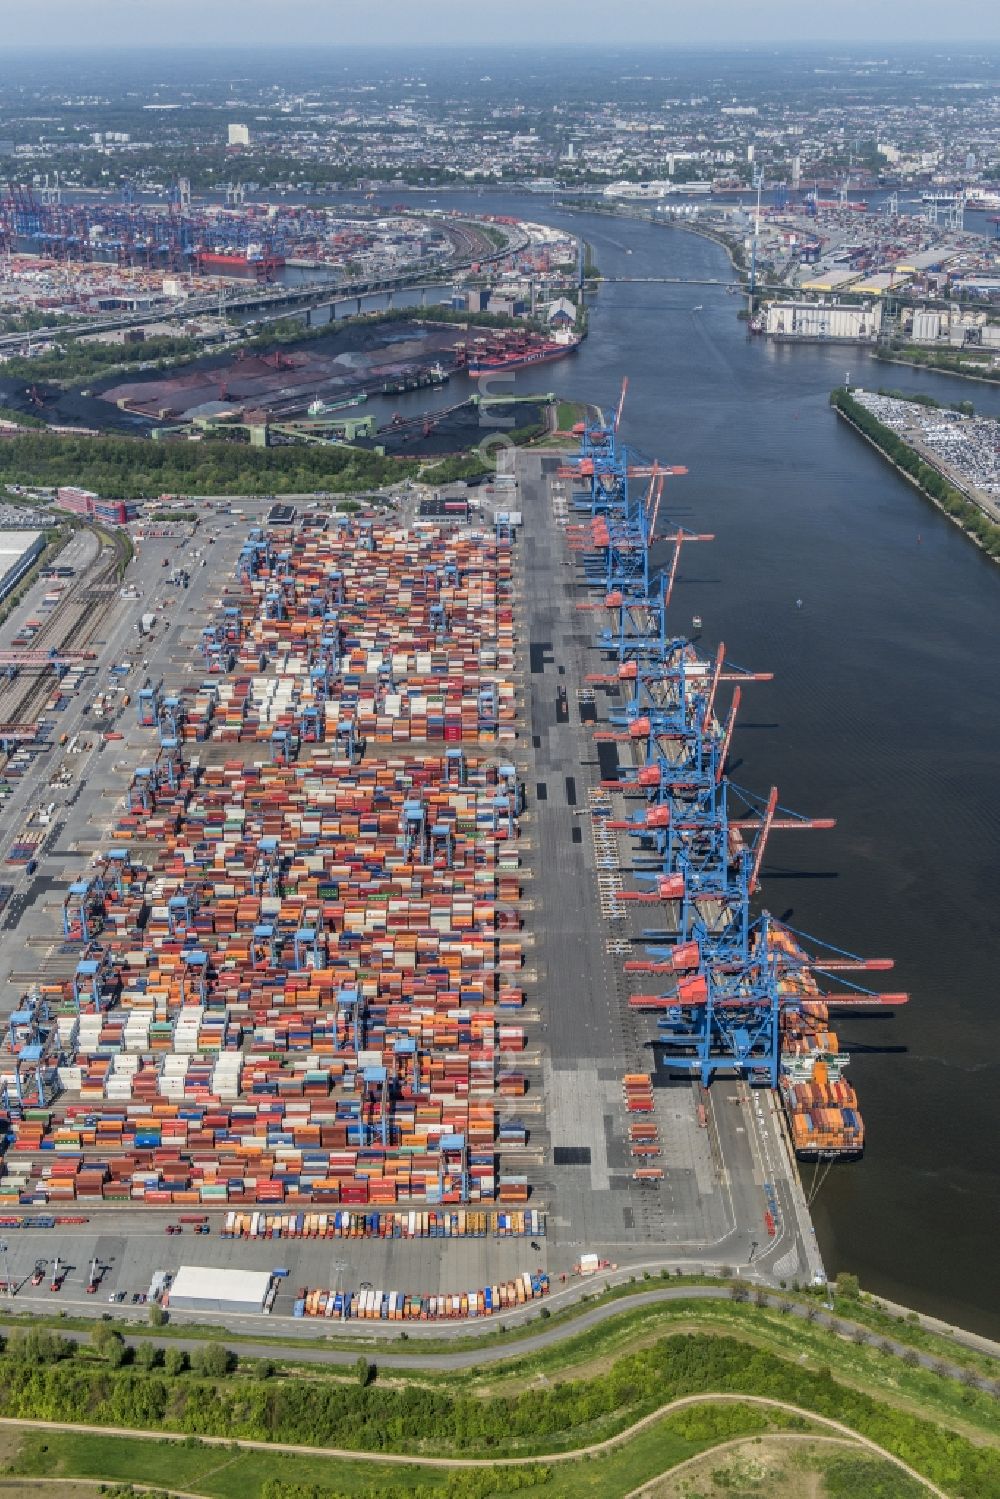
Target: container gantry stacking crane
{"points": [[700, 839], [724, 1016]]}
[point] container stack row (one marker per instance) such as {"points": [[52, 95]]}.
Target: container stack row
{"points": [[302, 968], [387, 635], [460, 1224], [398, 1306]]}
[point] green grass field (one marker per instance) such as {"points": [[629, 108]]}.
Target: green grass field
{"points": [[223, 1473], [586, 1389]]}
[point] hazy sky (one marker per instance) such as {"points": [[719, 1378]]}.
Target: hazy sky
{"points": [[236, 23]]}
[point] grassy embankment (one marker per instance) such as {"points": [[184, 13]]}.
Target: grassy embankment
{"points": [[559, 1399], [967, 364], [788, 1465], [252, 1475], [932, 484]]}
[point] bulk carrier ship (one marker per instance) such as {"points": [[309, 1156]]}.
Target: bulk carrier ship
{"points": [[516, 351]]}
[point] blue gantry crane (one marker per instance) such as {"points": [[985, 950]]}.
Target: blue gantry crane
{"points": [[698, 839]]}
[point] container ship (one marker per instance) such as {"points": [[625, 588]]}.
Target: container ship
{"points": [[488, 356], [855, 205], [254, 260], [820, 1104]]}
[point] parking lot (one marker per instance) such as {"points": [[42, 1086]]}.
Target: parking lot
{"points": [[965, 448]]}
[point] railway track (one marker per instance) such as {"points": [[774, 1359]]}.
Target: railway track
{"points": [[72, 625]]}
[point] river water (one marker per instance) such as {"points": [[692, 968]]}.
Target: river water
{"points": [[884, 713]]}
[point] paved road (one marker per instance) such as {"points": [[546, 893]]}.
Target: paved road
{"points": [[474, 1356], [396, 1459]]}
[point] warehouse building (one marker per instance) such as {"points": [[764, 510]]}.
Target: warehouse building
{"points": [[820, 320], [18, 550], [205, 1288], [835, 278]]}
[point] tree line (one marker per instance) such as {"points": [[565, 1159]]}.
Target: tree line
{"points": [[73, 360], [135, 468], [46, 1377]]}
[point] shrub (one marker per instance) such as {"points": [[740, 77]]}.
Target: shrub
{"points": [[213, 1361], [37, 1345]]}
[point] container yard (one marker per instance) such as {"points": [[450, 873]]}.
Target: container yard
{"points": [[342, 948], [300, 970], [249, 240]]}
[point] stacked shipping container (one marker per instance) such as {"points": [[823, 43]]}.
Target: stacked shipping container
{"points": [[306, 968]]}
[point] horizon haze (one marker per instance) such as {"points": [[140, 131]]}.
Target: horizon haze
{"points": [[58, 25]]}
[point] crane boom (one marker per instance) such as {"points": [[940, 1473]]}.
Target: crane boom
{"points": [[621, 405], [706, 717], [672, 575], [727, 737], [758, 857], [656, 510]]}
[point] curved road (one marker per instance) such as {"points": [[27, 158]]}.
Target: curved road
{"points": [[470, 1358], [399, 1459]]}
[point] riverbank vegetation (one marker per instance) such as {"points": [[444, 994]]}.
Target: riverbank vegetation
{"points": [[73, 360], [545, 1403], [968, 363], [927, 479], [118, 467]]}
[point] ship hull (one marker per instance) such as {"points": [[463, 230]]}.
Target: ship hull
{"points": [[221, 261], [479, 367]]}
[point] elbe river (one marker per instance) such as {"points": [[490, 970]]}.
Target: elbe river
{"points": [[884, 713]]}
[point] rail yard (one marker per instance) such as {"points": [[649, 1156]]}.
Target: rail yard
{"points": [[361, 836]]}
